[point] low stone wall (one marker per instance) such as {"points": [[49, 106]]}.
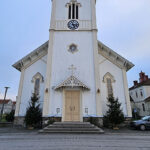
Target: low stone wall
{"points": [[98, 121], [19, 121], [50, 120], [6, 124]]}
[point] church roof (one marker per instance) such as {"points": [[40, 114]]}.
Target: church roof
{"points": [[114, 57], [72, 82], [32, 57], [103, 50]]}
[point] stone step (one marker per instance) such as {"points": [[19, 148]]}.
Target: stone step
{"points": [[71, 123], [72, 127], [72, 132]]}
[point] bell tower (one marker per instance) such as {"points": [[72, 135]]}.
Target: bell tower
{"points": [[72, 41]]}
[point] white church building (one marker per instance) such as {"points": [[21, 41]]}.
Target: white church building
{"points": [[73, 73]]}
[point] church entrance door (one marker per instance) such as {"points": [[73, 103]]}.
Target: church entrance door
{"points": [[72, 106]]}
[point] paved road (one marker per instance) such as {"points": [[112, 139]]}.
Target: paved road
{"points": [[109, 141]]}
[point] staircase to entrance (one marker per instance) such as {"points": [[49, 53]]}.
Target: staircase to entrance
{"points": [[72, 127]]}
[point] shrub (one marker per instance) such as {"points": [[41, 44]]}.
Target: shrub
{"points": [[10, 117], [114, 116], [33, 117]]}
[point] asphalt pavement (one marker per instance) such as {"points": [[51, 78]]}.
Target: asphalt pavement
{"points": [[123, 139]]}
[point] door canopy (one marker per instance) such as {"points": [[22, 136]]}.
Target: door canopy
{"points": [[72, 82]]}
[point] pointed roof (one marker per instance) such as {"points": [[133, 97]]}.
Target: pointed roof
{"points": [[113, 57], [72, 82], [103, 50], [32, 57]]}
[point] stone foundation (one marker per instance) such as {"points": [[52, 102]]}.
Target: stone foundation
{"points": [[19, 121], [50, 120], [127, 121], [98, 121]]}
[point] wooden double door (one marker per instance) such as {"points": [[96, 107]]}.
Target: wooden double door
{"points": [[72, 106]]}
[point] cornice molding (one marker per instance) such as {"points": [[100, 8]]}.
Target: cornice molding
{"points": [[32, 57], [103, 50], [113, 57]]}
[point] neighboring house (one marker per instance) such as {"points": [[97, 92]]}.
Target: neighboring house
{"points": [[9, 105], [14, 105], [140, 95]]}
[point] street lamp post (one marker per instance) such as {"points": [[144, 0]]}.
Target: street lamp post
{"points": [[6, 89]]}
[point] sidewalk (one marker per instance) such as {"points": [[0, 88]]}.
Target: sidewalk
{"points": [[126, 131]]}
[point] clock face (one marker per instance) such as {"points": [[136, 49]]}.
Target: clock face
{"points": [[73, 24]]}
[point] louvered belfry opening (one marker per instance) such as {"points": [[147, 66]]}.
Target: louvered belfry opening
{"points": [[73, 11]]}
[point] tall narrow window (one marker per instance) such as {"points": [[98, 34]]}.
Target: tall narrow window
{"points": [[69, 12], [109, 79], [77, 12], [136, 95], [143, 107], [37, 86], [109, 87], [37, 79], [73, 10], [141, 93]]}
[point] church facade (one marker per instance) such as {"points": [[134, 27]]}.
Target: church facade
{"points": [[73, 73]]}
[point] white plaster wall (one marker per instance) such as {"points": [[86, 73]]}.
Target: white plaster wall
{"points": [[118, 87], [147, 88], [139, 106], [140, 99], [82, 60], [62, 10], [138, 90], [28, 86]]}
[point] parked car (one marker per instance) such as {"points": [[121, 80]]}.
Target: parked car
{"points": [[142, 124]]}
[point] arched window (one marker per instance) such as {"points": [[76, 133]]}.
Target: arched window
{"points": [[37, 86], [109, 79], [109, 87], [37, 79], [73, 9]]}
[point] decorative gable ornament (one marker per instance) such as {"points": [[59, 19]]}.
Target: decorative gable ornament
{"points": [[72, 82]]}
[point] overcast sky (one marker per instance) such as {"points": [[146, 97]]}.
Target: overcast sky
{"points": [[123, 25]]}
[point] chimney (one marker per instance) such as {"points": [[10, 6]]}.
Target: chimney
{"points": [[143, 77], [135, 83]]}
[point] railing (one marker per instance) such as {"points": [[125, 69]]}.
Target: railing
{"points": [[62, 25]]}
